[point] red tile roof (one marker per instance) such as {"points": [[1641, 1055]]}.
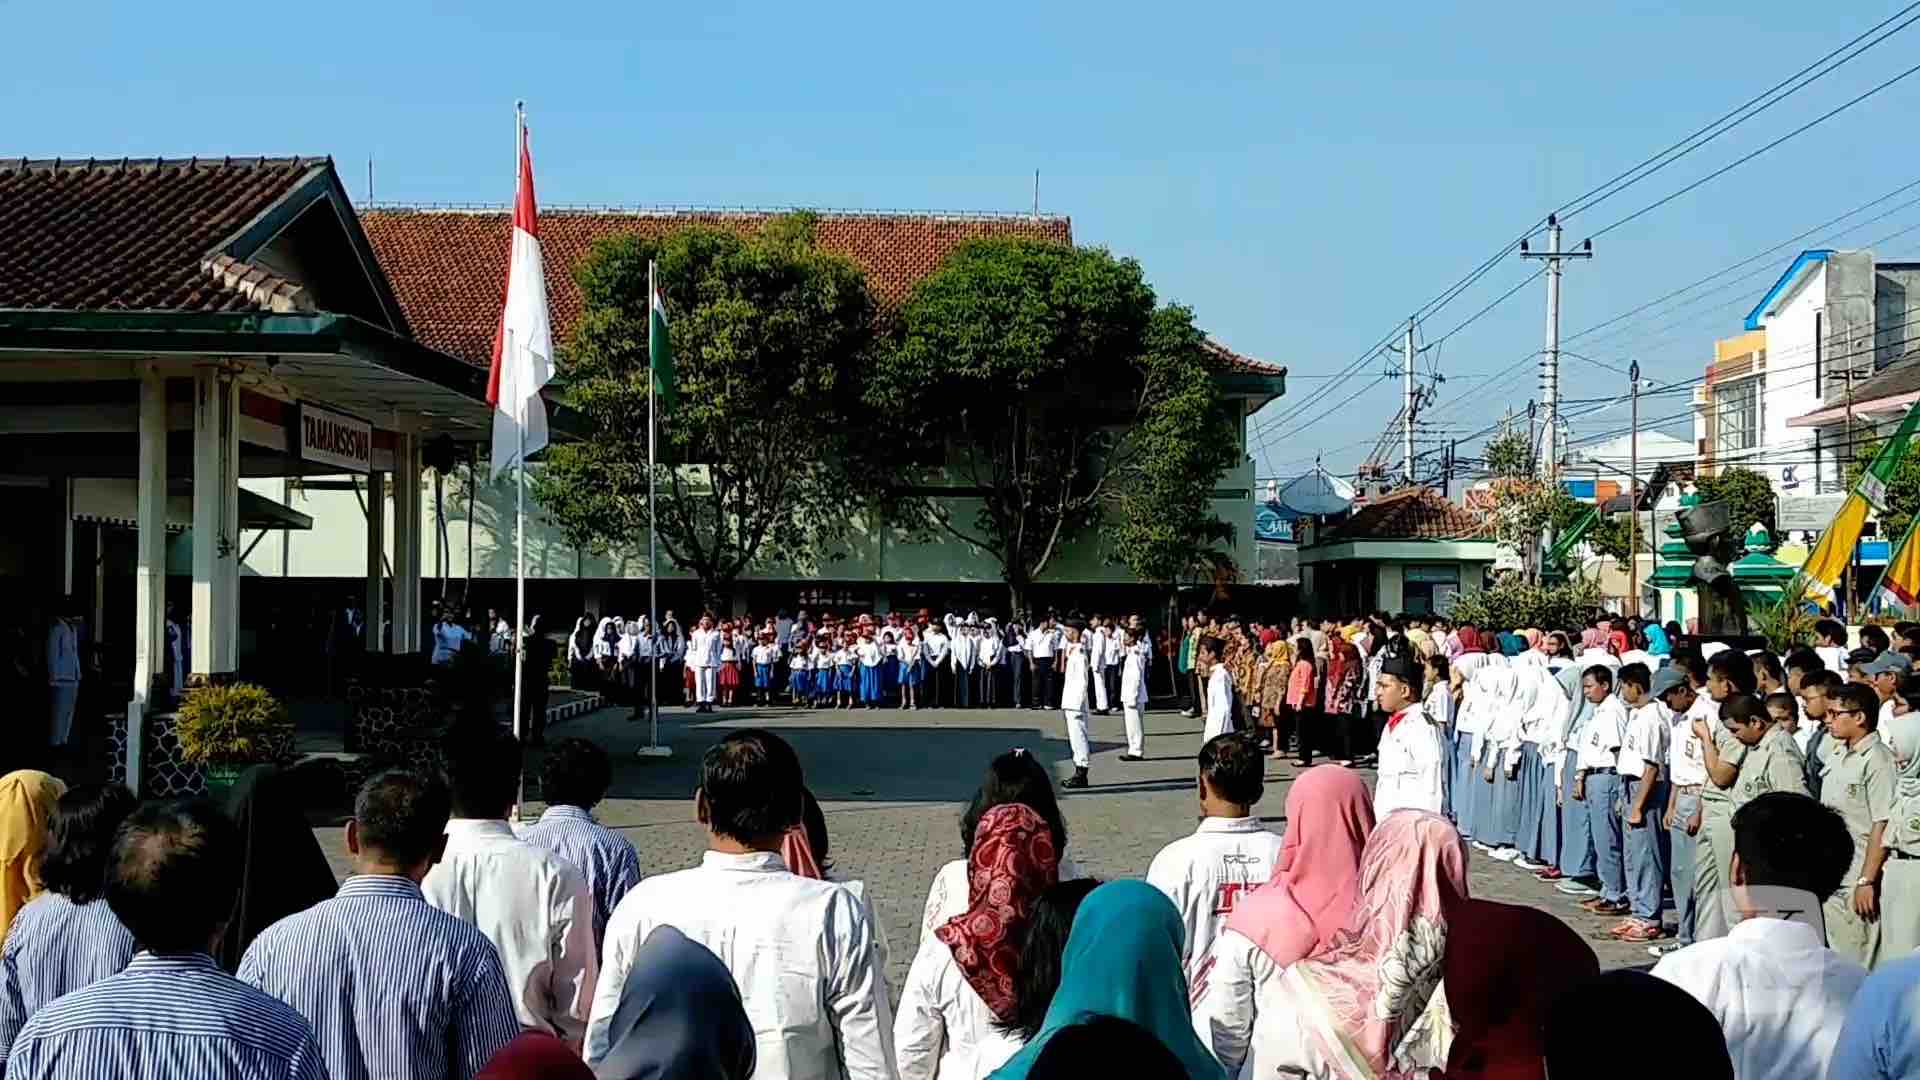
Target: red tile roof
{"points": [[448, 268], [1411, 514], [136, 235], [1241, 362]]}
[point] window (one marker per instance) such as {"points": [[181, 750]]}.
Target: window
{"points": [[1737, 416]]}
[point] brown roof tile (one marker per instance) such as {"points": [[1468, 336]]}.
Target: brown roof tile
{"points": [[448, 268], [1411, 514], [1241, 362], [135, 234]]}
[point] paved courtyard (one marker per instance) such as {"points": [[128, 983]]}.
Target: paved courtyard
{"points": [[893, 785]]}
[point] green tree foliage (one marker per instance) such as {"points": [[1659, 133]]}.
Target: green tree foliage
{"points": [[771, 336], [1514, 604], [1047, 378], [1609, 538], [1903, 490], [1748, 494], [1508, 455]]}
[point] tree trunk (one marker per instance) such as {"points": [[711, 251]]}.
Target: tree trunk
{"points": [[714, 596], [1016, 600]]}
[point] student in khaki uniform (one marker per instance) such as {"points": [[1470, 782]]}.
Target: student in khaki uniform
{"points": [[1858, 782], [1729, 676], [1774, 762], [1900, 877]]}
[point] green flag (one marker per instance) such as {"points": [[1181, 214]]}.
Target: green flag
{"points": [[660, 352]]}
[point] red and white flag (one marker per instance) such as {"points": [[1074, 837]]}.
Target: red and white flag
{"points": [[523, 347]]}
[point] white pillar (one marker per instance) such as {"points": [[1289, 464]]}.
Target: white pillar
{"points": [[376, 559], [150, 575], [216, 521], [406, 544]]}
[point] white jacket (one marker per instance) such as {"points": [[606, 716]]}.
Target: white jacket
{"points": [[804, 953], [944, 1030], [534, 907], [1219, 702], [703, 648], [947, 897], [1133, 681], [1206, 874], [1073, 687], [1412, 769], [1227, 991]]}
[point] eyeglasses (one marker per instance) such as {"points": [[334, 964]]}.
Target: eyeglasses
{"points": [[1835, 710]]}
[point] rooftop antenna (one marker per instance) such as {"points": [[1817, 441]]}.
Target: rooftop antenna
{"points": [[369, 179], [1036, 194]]}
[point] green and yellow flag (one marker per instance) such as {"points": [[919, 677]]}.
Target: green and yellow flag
{"points": [[1900, 582], [660, 351], [1835, 549]]}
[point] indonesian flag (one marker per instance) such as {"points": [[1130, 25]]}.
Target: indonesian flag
{"points": [[523, 347]]}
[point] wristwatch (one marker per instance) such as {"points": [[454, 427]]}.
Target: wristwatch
{"points": [[1864, 881]]}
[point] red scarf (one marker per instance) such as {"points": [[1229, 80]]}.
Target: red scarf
{"points": [[1012, 862], [1394, 720]]}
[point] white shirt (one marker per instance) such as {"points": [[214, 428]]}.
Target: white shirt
{"points": [[1073, 691], [936, 647], [1412, 774], [1226, 991], [1590, 657], [989, 650], [703, 648], [1649, 728], [1219, 702], [1096, 647], [1133, 681], [535, 909], [964, 648], [869, 653], [1686, 758], [804, 953], [1044, 642], [1640, 656], [944, 1030], [1835, 657], [1206, 874], [1780, 994], [1603, 735]]}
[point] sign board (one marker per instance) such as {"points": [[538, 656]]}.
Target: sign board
{"points": [[1270, 524], [329, 438], [1806, 513]]}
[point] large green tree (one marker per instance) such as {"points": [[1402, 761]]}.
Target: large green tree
{"points": [[1749, 497], [771, 337], [1903, 490], [1045, 380]]}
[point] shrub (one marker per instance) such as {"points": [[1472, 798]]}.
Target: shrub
{"points": [[236, 724], [1512, 604]]}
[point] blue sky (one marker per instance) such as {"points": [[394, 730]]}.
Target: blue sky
{"points": [[1303, 176]]}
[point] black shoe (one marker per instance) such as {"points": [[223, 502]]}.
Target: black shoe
{"points": [[1132, 757], [1077, 780]]}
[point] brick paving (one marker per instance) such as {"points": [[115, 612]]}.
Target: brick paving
{"points": [[892, 785]]}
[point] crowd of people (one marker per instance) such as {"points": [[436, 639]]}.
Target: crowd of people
{"points": [[1768, 798]]}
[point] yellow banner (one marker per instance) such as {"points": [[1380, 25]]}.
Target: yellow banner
{"points": [[1830, 556]]}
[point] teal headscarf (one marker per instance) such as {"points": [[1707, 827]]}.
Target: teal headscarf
{"points": [[1123, 959]]}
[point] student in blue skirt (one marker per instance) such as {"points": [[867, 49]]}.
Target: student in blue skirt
{"points": [[822, 671], [764, 655], [868, 655], [799, 678]]}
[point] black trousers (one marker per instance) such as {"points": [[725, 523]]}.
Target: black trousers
{"points": [[1017, 668], [1046, 683], [989, 687], [963, 687], [940, 686]]}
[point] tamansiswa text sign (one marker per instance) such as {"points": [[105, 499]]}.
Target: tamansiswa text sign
{"points": [[329, 438]]}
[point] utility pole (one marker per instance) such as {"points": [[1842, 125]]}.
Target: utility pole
{"points": [[1550, 374], [1633, 493], [1406, 393], [1846, 610]]}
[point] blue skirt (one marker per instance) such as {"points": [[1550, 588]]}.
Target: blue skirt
{"points": [[913, 674], [1481, 801], [843, 679], [1529, 784], [869, 683], [1503, 823], [800, 682], [762, 676], [1460, 792], [889, 674], [822, 681]]}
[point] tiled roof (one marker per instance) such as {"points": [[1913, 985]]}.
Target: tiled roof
{"points": [[1241, 362], [448, 268], [139, 234], [1411, 514]]}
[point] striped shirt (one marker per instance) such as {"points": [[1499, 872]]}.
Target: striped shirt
{"points": [[167, 1016], [392, 986], [55, 947], [608, 861]]}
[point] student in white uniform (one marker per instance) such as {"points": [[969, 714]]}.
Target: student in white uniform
{"points": [[1596, 785], [1133, 697], [1098, 643], [703, 656], [1075, 673], [964, 980], [1229, 855], [804, 952], [988, 656], [534, 906], [1832, 649], [1042, 646], [1219, 687], [1412, 766]]}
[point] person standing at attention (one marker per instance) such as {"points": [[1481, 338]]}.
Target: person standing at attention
{"points": [[1075, 672], [533, 906], [573, 779], [1412, 767], [804, 952], [171, 880], [1729, 673], [1859, 783], [1779, 992], [1643, 793], [1042, 647], [1229, 855], [1212, 660], [1133, 697], [703, 659], [1596, 784], [391, 986]]}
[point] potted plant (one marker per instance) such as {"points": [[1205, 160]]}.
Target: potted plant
{"points": [[224, 729]]}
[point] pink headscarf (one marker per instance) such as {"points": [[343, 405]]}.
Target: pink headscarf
{"points": [[1379, 976], [1316, 881], [1592, 638], [1470, 641], [1535, 639]]}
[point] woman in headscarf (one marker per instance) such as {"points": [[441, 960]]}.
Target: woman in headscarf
{"points": [[26, 802], [680, 1017], [1270, 693], [1346, 705], [1657, 643], [580, 652], [535, 1055], [1045, 941], [1691, 1041], [965, 979], [1313, 890], [1469, 723], [1900, 874], [1470, 640], [1534, 638], [1123, 960], [282, 869], [1511, 643], [1013, 777]]}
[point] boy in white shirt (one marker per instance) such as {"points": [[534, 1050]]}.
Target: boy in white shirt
{"points": [[966, 645], [1644, 795], [988, 657], [1231, 852], [1097, 646], [1596, 784], [1219, 686], [1072, 664], [1832, 649]]}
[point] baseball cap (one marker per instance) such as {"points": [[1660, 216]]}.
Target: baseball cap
{"points": [[1667, 678], [1889, 663]]}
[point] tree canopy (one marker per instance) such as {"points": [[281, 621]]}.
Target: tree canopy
{"points": [[1749, 498], [1047, 379], [771, 337]]}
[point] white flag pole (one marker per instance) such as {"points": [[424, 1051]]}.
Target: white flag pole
{"points": [[653, 748], [520, 492]]}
